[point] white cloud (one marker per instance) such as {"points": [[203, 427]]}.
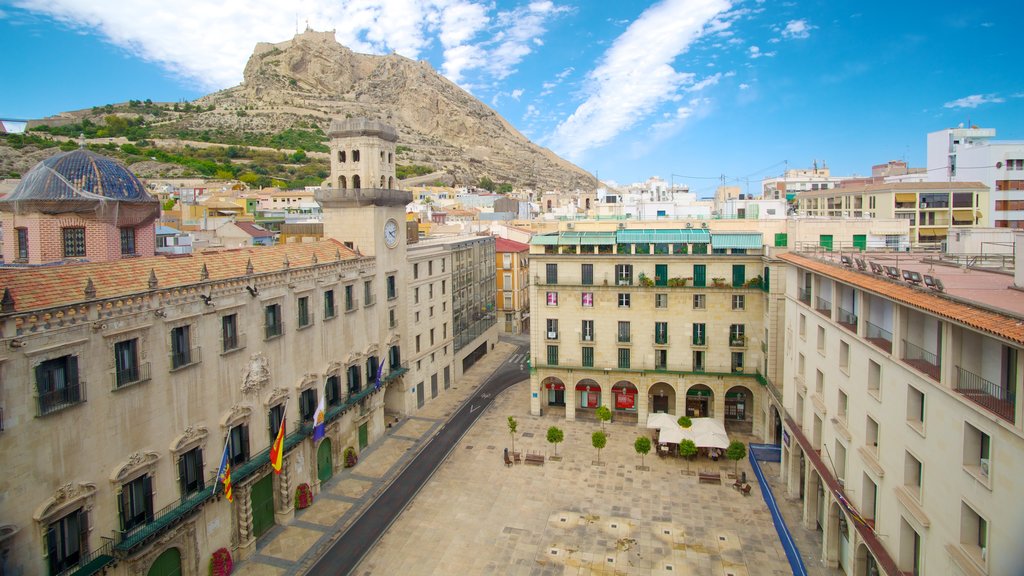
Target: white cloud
{"points": [[708, 81], [517, 94], [797, 30], [755, 53], [210, 42], [531, 112], [635, 74], [974, 100], [744, 86]]}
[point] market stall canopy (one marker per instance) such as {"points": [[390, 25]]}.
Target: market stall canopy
{"points": [[705, 432]]}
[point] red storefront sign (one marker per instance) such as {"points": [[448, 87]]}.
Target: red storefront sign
{"points": [[555, 386], [625, 400]]}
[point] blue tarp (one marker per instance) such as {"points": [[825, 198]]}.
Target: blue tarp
{"points": [[773, 453]]}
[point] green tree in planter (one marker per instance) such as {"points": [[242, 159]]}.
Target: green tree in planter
{"points": [[642, 445], [603, 414], [555, 436], [512, 426], [599, 439], [685, 422], [687, 449], [736, 451]]}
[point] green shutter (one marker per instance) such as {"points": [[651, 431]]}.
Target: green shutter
{"points": [[661, 274], [739, 275], [860, 242], [825, 242], [765, 282], [781, 240], [700, 275]]}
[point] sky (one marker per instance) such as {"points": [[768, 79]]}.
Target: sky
{"points": [[697, 92]]}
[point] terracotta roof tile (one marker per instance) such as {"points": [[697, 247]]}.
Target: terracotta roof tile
{"points": [[504, 245], [63, 285], [1001, 325]]}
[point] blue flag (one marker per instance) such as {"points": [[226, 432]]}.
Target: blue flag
{"points": [[318, 420], [380, 375]]}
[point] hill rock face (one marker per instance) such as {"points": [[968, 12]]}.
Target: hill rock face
{"points": [[312, 78]]}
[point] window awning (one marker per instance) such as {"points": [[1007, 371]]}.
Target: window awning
{"points": [[663, 236], [545, 240], [586, 238], [906, 196], [963, 214], [736, 240]]}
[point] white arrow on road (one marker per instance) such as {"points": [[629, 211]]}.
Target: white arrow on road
{"points": [[472, 408]]}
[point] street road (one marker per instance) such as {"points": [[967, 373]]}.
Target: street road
{"points": [[362, 534]]}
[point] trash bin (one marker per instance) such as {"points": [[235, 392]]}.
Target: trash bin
{"points": [[743, 477]]}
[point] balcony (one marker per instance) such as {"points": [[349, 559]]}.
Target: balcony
{"points": [[92, 562], [660, 339], [996, 399], [185, 358], [126, 541], [586, 337], [700, 341], [232, 343], [921, 359], [552, 335], [805, 295], [131, 375], [737, 341], [879, 336], [273, 330], [823, 306], [847, 319], [61, 398]]}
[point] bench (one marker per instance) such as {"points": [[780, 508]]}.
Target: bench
{"points": [[508, 461], [537, 459], [518, 457], [710, 477]]}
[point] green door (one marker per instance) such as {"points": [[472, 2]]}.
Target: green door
{"points": [[166, 564], [262, 500], [363, 437], [860, 242], [324, 463], [826, 242], [739, 275], [661, 274], [699, 275]]}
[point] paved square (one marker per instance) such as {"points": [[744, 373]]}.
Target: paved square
{"points": [[477, 516], [290, 544], [326, 512]]}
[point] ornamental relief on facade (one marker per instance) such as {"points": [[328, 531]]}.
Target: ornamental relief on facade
{"points": [[137, 464], [257, 374], [192, 436], [69, 496], [183, 537], [276, 396]]}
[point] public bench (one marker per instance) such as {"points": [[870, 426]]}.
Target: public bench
{"points": [[710, 477], [537, 459]]}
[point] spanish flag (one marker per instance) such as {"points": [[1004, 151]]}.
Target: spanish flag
{"points": [[224, 472], [277, 449]]}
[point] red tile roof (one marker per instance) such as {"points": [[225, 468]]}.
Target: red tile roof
{"points": [[1002, 325], [504, 245], [254, 230], [63, 285]]}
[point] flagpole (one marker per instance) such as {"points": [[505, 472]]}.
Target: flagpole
{"points": [[216, 479]]}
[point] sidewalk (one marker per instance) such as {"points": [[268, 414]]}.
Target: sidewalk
{"points": [[294, 547]]}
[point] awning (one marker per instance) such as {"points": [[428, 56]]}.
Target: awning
{"points": [[545, 239], [963, 215], [906, 196], [586, 238], [663, 236], [738, 240], [554, 386], [591, 387]]}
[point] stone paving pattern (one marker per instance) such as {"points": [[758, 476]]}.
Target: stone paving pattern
{"points": [[477, 516]]}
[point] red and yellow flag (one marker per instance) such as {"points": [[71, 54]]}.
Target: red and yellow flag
{"points": [[227, 484], [277, 450]]}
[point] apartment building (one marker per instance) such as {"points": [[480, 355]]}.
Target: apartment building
{"points": [[902, 424], [932, 209], [513, 296]]}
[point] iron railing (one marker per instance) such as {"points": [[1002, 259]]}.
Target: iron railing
{"points": [[53, 400], [879, 336], [921, 359], [91, 562], [232, 343], [185, 358], [700, 341], [132, 375], [1000, 400], [737, 341]]}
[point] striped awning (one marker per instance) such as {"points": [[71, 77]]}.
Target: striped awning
{"points": [[663, 236], [906, 196], [586, 238], [736, 240], [545, 239], [963, 215]]}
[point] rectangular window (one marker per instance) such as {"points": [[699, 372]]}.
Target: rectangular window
{"points": [[588, 357], [506, 281], [307, 404], [844, 356], [843, 406], [552, 298], [661, 274], [239, 444], [367, 292], [973, 533], [739, 301], [136, 501], [977, 452], [552, 325], [661, 332], [699, 302], [128, 241], [661, 300], [587, 331], [430, 267], [274, 421], [305, 318], [67, 541], [698, 360], [392, 288], [392, 318], [871, 434], [551, 271], [552, 355], [417, 343], [416, 271], [700, 275], [74, 242], [874, 378], [821, 339], [229, 333], [737, 361], [587, 299], [623, 332], [624, 274], [737, 336], [329, 310], [507, 301], [181, 347], [913, 473], [624, 300], [58, 385], [739, 275], [660, 359], [22, 243], [350, 300], [802, 326], [915, 408], [126, 362], [624, 358], [586, 274], [332, 391], [506, 261], [272, 321], [444, 285], [699, 335], [190, 472], [416, 295], [355, 383]]}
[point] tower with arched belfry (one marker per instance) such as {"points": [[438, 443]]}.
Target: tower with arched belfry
{"points": [[362, 154]]}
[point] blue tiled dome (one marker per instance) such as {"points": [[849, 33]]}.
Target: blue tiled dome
{"points": [[78, 174]]}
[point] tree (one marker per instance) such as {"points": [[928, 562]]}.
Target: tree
{"points": [[555, 436], [512, 426], [504, 188], [736, 451], [642, 445], [599, 439], [687, 449], [168, 204], [486, 183], [685, 422], [603, 414]]}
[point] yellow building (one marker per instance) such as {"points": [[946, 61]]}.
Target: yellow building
{"points": [[513, 293]]}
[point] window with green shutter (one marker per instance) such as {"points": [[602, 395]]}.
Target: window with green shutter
{"points": [[552, 355], [781, 240], [624, 358], [739, 275], [700, 275], [588, 356]]}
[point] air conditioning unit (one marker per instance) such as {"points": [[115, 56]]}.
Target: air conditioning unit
{"points": [[570, 225], [984, 467], [552, 335]]}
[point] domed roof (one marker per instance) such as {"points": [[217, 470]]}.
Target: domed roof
{"points": [[80, 175]]}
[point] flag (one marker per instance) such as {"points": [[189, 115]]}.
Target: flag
{"points": [[277, 449], [318, 420], [380, 374], [224, 472]]}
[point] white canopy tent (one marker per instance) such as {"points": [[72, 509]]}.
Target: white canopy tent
{"points": [[705, 432]]}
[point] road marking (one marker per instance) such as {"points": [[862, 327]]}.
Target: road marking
{"points": [[472, 408]]}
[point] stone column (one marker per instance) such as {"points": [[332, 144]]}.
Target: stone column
{"points": [[243, 507], [642, 405], [718, 408], [570, 401], [535, 394], [680, 398], [284, 511]]}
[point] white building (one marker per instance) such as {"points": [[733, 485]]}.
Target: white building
{"points": [[793, 181], [971, 155]]}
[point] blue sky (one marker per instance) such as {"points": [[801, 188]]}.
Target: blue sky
{"points": [[689, 90]]}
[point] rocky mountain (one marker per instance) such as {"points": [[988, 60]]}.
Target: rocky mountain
{"points": [[311, 79]]}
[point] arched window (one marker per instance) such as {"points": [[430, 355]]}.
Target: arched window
{"points": [[355, 155], [381, 181], [342, 183], [341, 155], [355, 182], [588, 203], [391, 182], [381, 155]]}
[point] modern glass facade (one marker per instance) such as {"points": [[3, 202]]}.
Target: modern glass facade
{"points": [[473, 301]]}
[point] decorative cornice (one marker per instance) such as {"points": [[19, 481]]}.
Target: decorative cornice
{"points": [[191, 436], [236, 414], [276, 395], [136, 463], [67, 496]]}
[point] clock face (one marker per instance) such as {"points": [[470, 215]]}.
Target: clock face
{"points": [[391, 233]]}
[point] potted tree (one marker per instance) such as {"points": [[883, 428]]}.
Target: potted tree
{"points": [[599, 440], [512, 426], [687, 449], [684, 422], [603, 415], [555, 436], [736, 451], [642, 445]]}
